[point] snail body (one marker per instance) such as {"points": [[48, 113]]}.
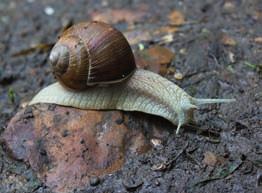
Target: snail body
{"points": [[133, 89]]}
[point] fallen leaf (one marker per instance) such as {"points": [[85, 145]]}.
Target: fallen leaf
{"points": [[176, 18], [162, 35], [156, 59], [137, 36], [228, 41], [167, 29], [118, 15], [257, 15], [210, 158], [222, 174], [258, 40]]}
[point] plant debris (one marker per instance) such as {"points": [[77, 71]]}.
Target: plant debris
{"points": [[221, 174], [119, 15], [39, 47]]}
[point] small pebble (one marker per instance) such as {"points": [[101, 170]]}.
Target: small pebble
{"points": [[178, 76], [229, 6], [49, 10], [157, 183], [156, 142], [141, 46], [231, 57], [182, 51], [167, 38], [94, 181]]}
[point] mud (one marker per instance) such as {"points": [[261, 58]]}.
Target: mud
{"points": [[211, 65]]}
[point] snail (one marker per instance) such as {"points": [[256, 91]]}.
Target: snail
{"points": [[95, 68]]}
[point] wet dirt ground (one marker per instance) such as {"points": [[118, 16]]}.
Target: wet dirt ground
{"points": [[218, 50]]}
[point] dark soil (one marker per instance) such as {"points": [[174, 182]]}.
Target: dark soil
{"points": [[211, 68]]}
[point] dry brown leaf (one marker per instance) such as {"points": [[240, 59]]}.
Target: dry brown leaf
{"points": [[159, 36], [156, 59], [228, 41], [137, 36], [258, 40], [176, 18], [118, 15], [167, 29], [162, 54], [257, 15], [210, 158]]}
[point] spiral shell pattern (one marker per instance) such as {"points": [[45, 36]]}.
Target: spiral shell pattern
{"points": [[91, 53]]}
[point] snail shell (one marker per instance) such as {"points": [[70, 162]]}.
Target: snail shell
{"points": [[91, 53]]}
